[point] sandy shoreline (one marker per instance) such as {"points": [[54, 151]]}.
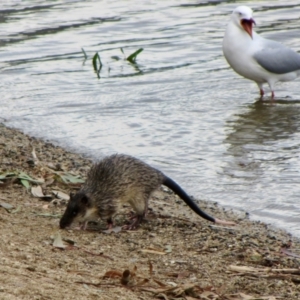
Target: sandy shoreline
{"points": [[173, 254]]}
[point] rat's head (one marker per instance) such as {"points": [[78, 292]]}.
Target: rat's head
{"points": [[79, 209]]}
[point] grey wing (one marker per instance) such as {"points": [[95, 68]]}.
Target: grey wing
{"points": [[277, 58]]}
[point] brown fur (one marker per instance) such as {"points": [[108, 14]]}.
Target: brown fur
{"points": [[114, 180]]}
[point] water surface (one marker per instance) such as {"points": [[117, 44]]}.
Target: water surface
{"points": [[180, 108]]}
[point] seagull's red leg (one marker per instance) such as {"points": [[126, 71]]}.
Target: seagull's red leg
{"points": [[272, 95], [261, 91]]}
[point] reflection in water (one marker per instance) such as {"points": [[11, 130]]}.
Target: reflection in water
{"points": [[261, 136], [262, 164]]}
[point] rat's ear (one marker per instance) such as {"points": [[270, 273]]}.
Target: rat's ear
{"points": [[72, 195]]}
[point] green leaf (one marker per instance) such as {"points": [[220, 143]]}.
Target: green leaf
{"points": [[24, 176], [95, 65], [132, 57], [14, 211], [123, 52], [25, 183], [68, 178], [84, 53], [6, 175]]}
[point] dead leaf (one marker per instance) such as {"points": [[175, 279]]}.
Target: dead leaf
{"points": [[57, 241], [7, 206], [37, 191], [162, 295], [186, 289], [34, 156], [168, 249], [61, 195], [172, 283], [116, 229], [242, 269], [161, 284], [142, 282], [207, 295], [49, 181], [112, 274]]}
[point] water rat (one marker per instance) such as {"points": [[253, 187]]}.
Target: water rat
{"points": [[118, 179]]}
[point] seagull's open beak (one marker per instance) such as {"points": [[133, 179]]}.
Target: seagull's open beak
{"points": [[247, 25]]}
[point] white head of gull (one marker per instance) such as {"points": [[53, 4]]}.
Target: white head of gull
{"points": [[254, 57]]}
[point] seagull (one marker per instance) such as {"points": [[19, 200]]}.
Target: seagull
{"points": [[254, 57]]}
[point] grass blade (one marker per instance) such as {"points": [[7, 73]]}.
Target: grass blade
{"points": [[68, 178], [84, 53], [25, 183], [24, 176], [7, 175], [132, 57], [124, 55], [95, 65]]}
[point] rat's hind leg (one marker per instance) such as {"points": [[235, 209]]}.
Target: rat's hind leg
{"points": [[140, 205], [110, 223]]}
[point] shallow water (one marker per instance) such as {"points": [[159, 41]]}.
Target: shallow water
{"points": [[180, 108]]}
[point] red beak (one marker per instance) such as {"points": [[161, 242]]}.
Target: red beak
{"points": [[247, 25]]}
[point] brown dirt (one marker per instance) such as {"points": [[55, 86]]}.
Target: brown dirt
{"points": [[174, 254]]}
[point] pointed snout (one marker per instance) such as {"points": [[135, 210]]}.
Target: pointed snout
{"points": [[66, 220]]}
